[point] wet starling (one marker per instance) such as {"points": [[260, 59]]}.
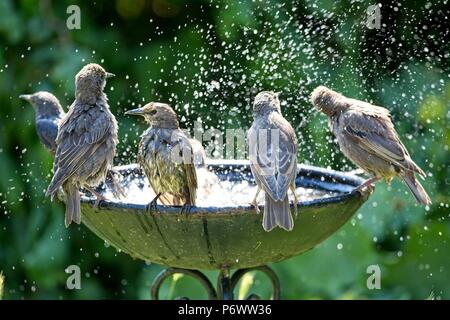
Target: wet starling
{"points": [[366, 135], [273, 157], [166, 156], [86, 141], [48, 115]]}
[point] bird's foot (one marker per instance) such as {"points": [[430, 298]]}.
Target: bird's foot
{"points": [[95, 193], [99, 197], [98, 202], [369, 184], [186, 209], [151, 207]]}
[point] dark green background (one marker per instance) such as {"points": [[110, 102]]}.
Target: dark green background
{"points": [[175, 51]]}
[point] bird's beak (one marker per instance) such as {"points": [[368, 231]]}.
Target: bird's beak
{"points": [[110, 75], [135, 112], [26, 97]]}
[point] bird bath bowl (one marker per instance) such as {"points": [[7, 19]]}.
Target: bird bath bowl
{"points": [[223, 237]]}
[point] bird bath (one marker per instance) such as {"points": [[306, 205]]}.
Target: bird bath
{"points": [[223, 237]]}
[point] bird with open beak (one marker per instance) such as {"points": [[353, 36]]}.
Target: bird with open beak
{"points": [[273, 160], [366, 135], [49, 113], [166, 156], [86, 142]]}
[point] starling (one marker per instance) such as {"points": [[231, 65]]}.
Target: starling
{"points": [[86, 141], [48, 116], [166, 156], [366, 135], [273, 160]]}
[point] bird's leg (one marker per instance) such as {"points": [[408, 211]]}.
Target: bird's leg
{"points": [[254, 203], [98, 196], [186, 208], [152, 205], [116, 188], [366, 184], [292, 187]]}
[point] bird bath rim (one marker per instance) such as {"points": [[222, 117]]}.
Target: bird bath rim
{"points": [[334, 181], [217, 237]]}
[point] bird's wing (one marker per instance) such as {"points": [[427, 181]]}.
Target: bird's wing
{"points": [[374, 131], [276, 166], [191, 177], [78, 139], [47, 131], [143, 152], [260, 162], [287, 161], [188, 165]]}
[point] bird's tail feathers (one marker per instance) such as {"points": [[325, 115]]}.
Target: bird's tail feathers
{"points": [[416, 188], [277, 213], [73, 210], [415, 168]]}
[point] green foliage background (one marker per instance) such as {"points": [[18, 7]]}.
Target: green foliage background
{"points": [[173, 50]]}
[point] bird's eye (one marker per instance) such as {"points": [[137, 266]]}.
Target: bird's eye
{"points": [[152, 112]]}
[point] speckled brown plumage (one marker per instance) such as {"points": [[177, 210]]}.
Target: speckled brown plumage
{"points": [[49, 114], [166, 156], [366, 135], [273, 162], [86, 141]]}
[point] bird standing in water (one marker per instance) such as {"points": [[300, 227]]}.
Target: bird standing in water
{"points": [[166, 156], [273, 160], [86, 142], [48, 116], [366, 135]]}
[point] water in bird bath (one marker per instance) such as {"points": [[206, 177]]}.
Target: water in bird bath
{"points": [[211, 192]]}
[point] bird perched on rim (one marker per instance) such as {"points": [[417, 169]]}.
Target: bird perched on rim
{"points": [[86, 142], [366, 135], [48, 116], [273, 160], [166, 156]]}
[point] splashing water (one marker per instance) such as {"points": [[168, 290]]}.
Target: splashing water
{"points": [[212, 192]]}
